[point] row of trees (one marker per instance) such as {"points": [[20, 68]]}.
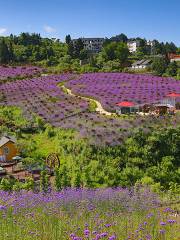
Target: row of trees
{"points": [[33, 48], [162, 67]]}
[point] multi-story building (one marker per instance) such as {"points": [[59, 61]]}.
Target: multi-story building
{"points": [[93, 45], [133, 45]]}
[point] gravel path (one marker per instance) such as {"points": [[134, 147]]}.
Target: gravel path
{"points": [[99, 107]]}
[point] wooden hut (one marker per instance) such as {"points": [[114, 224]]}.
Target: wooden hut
{"points": [[8, 149]]}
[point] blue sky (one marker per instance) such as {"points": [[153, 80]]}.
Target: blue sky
{"points": [[152, 19]]}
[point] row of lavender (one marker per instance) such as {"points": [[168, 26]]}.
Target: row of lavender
{"points": [[18, 71], [111, 88], [79, 214], [43, 97]]}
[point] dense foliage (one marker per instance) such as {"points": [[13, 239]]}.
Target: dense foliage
{"points": [[148, 157]]}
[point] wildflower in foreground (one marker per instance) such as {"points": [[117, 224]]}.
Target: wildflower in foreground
{"points": [[112, 237], [162, 223], [2, 207], [162, 231], [171, 221]]}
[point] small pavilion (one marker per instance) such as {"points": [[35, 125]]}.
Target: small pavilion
{"points": [[126, 107], [172, 99]]}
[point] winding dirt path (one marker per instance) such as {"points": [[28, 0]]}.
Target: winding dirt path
{"points": [[99, 107]]}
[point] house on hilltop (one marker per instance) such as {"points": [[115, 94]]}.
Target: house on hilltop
{"points": [[8, 149]]}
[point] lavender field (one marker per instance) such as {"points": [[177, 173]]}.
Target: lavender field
{"points": [[44, 97], [111, 88], [7, 72], [79, 214]]}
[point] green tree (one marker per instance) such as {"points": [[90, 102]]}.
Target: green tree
{"points": [[58, 179], [77, 180], [44, 181], [78, 47], [119, 38], [68, 39], [172, 69], [159, 66], [65, 177], [4, 52], [117, 51]]}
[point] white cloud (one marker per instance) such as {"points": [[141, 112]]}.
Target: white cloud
{"points": [[2, 30], [49, 29]]}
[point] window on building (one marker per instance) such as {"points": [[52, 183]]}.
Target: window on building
{"points": [[6, 150]]}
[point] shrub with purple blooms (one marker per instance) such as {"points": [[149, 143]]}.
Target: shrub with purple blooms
{"points": [[18, 72]]}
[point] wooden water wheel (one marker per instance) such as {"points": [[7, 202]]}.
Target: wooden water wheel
{"points": [[53, 161]]}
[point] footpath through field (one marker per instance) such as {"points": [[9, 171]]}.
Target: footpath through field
{"points": [[99, 107]]}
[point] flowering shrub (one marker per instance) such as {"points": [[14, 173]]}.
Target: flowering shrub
{"points": [[13, 72], [43, 97]]}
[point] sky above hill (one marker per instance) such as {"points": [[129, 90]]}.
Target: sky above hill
{"points": [[152, 19]]}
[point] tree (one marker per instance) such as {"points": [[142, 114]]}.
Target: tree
{"points": [[114, 51], [44, 181], [11, 53], [78, 47], [68, 39], [65, 177], [77, 180], [159, 66], [170, 47], [58, 179], [172, 69], [119, 38], [122, 52], [4, 52], [71, 49]]}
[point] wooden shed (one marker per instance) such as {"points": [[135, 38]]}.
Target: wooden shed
{"points": [[8, 149]]}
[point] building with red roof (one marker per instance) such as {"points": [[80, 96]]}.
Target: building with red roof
{"points": [[126, 107], [172, 99], [174, 57]]}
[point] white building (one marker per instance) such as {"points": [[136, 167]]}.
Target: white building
{"points": [[92, 44], [133, 45], [142, 64]]}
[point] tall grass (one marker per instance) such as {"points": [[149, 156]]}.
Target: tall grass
{"points": [[86, 214]]}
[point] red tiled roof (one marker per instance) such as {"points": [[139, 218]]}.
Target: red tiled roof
{"points": [[174, 56], [173, 95], [125, 104]]}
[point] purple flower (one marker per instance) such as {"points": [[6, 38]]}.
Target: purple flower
{"points": [[162, 231], [171, 221], [162, 223], [86, 232], [2, 207], [112, 237], [104, 234]]}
